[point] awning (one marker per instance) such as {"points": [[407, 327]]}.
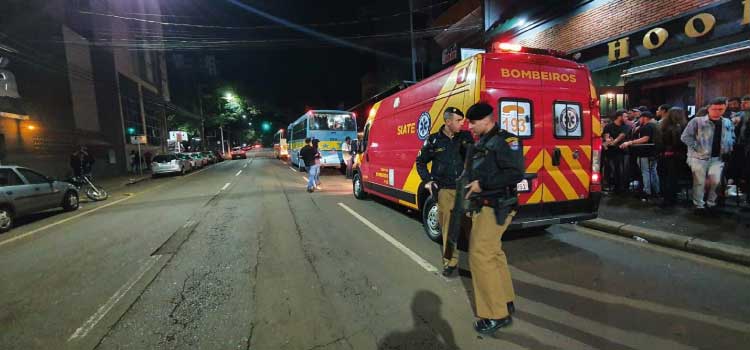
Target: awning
{"points": [[12, 108], [685, 63]]}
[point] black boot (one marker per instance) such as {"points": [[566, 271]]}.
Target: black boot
{"points": [[511, 308], [489, 326]]}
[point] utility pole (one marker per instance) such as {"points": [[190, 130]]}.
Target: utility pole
{"points": [[221, 128], [203, 118], [413, 48]]}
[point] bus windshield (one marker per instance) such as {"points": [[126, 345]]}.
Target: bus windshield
{"points": [[332, 122]]}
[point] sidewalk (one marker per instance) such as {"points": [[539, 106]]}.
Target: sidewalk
{"points": [[118, 182], [724, 234]]}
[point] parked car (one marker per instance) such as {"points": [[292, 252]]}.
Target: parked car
{"points": [[210, 156], [239, 152], [195, 163], [188, 161], [24, 191], [202, 161], [169, 164]]}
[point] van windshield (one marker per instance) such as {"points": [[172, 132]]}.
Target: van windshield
{"points": [[332, 122]]}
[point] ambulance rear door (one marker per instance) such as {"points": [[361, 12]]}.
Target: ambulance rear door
{"points": [[566, 134]]}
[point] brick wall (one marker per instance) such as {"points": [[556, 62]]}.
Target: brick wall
{"points": [[608, 21]]}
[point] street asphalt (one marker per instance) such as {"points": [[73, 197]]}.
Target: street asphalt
{"points": [[240, 256]]}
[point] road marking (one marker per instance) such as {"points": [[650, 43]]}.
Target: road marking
{"points": [[292, 169], [411, 254], [196, 172], [306, 179], [666, 250], [24, 235], [113, 300], [239, 172], [226, 185], [244, 166], [643, 305]]}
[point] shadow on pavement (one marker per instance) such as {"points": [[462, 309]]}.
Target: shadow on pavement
{"points": [[430, 330]]}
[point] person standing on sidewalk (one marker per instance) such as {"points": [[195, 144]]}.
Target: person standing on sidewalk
{"points": [[709, 141], [743, 124], [346, 153], [673, 157], [318, 161], [647, 136], [446, 150], [308, 156], [614, 135], [497, 167]]}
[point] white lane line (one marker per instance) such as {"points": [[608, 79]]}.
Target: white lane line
{"points": [[244, 166], [238, 173], [411, 254], [306, 179], [226, 185], [24, 235], [292, 169], [645, 305], [104, 309]]}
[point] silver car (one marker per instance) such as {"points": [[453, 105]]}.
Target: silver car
{"points": [[169, 164], [24, 191]]}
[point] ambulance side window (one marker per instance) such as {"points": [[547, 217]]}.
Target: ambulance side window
{"points": [[516, 116], [568, 123], [365, 138]]}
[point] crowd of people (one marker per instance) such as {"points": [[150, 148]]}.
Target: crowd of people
{"points": [[657, 155]]}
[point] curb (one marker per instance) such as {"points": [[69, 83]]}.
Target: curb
{"points": [[134, 181], [685, 243]]}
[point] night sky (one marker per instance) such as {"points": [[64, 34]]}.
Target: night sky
{"points": [[275, 64]]}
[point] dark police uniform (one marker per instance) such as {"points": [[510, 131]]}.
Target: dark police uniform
{"points": [[447, 157], [498, 165]]}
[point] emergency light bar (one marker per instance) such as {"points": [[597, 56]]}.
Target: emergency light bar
{"points": [[499, 47]]}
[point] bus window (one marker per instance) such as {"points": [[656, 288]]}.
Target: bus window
{"points": [[332, 122]]}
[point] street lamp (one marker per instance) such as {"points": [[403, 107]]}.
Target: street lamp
{"points": [[229, 96]]}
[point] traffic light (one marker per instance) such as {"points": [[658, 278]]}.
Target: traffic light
{"points": [[266, 126], [131, 131]]}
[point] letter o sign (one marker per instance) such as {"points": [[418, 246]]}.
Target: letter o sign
{"points": [[708, 23], [661, 36]]}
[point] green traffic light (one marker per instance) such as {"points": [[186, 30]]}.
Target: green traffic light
{"points": [[131, 130], [266, 126]]}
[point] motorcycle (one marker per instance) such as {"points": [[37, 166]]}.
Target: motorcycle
{"points": [[84, 183]]}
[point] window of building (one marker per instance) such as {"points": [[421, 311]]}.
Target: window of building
{"points": [[131, 107]]}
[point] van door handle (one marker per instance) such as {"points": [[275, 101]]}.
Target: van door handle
{"points": [[556, 154]]}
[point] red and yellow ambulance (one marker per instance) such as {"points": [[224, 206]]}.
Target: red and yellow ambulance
{"points": [[548, 101]]}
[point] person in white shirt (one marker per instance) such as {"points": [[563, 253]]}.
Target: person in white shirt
{"points": [[346, 150]]}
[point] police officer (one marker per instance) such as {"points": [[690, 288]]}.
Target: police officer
{"points": [[497, 167], [445, 149]]}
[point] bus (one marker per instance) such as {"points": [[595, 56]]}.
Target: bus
{"points": [[547, 101], [280, 150], [331, 127]]}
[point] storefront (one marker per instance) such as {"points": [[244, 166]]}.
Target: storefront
{"points": [[684, 61]]}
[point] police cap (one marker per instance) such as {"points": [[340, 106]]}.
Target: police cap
{"points": [[479, 111], [454, 110]]}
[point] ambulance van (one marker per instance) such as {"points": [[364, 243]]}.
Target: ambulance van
{"points": [[548, 101]]}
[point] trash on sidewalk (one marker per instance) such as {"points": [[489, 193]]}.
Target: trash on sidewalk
{"points": [[640, 239]]}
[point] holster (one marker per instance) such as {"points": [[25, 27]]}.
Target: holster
{"points": [[503, 208]]}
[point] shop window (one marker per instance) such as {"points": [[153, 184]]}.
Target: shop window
{"points": [[609, 103], [568, 120], [516, 116]]}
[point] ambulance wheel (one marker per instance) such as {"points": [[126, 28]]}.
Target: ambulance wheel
{"points": [[430, 220], [358, 187]]}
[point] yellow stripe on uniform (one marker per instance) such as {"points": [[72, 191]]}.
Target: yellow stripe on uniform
{"points": [[559, 178]]}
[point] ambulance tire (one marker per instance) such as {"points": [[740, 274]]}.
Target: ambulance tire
{"points": [[358, 187], [430, 220]]}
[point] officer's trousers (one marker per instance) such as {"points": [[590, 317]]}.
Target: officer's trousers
{"points": [[446, 200], [493, 288]]}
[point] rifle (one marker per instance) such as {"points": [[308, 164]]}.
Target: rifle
{"points": [[460, 205]]}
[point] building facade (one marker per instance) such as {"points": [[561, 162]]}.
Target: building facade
{"points": [[80, 77], [644, 52]]}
